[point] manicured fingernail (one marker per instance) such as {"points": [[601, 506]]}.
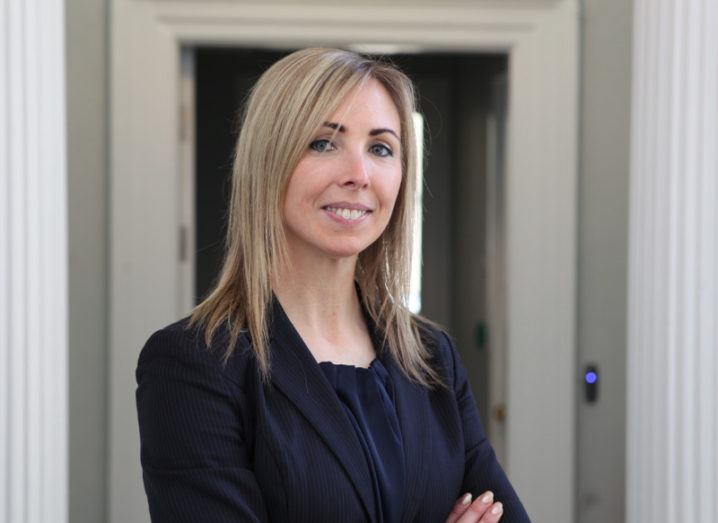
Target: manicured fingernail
{"points": [[487, 498], [466, 499], [498, 509]]}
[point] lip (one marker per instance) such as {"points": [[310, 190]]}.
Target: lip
{"points": [[348, 205]]}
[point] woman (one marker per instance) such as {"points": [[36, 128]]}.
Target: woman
{"points": [[302, 388]]}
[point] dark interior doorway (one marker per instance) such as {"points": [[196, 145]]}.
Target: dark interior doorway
{"points": [[455, 93]]}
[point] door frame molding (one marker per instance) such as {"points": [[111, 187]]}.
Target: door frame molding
{"points": [[146, 200]]}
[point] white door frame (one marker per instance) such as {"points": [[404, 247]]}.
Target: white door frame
{"points": [[541, 39]]}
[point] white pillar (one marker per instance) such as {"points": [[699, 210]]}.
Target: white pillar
{"points": [[33, 263], [672, 469]]}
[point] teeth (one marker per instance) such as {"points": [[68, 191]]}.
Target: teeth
{"points": [[347, 214]]}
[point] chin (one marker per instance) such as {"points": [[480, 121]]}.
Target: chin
{"points": [[345, 249]]}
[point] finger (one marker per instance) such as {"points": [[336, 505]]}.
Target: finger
{"points": [[459, 507], [493, 513], [477, 509]]}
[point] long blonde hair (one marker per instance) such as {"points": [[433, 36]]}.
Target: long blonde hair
{"points": [[286, 106]]}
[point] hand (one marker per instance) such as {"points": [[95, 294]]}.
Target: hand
{"points": [[482, 510]]}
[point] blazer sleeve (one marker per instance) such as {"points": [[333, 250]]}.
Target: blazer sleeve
{"points": [[195, 461], [482, 470]]}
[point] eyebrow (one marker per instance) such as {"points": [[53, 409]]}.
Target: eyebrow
{"points": [[373, 132]]}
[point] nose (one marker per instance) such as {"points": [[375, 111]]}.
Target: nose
{"points": [[356, 174]]}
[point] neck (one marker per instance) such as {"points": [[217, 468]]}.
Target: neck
{"points": [[319, 295]]}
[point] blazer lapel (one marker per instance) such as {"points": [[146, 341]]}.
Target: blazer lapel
{"points": [[297, 374]]}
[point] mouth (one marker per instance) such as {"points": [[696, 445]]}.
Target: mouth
{"points": [[347, 213]]}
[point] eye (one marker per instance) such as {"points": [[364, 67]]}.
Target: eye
{"points": [[322, 145], [381, 150]]}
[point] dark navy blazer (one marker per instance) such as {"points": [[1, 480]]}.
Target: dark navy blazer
{"points": [[218, 446]]}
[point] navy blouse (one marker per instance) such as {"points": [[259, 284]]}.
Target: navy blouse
{"points": [[368, 398]]}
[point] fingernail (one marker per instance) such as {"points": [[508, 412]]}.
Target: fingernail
{"points": [[466, 499], [487, 498], [497, 509]]}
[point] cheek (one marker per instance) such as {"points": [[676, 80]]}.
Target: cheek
{"points": [[391, 189], [295, 192]]}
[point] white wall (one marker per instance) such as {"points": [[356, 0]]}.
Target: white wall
{"points": [[603, 243], [87, 68]]}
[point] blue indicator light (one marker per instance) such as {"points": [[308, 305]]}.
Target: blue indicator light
{"points": [[591, 377]]}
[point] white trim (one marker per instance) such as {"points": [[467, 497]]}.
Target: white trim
{"points": [[541, 40], [496, 262]]}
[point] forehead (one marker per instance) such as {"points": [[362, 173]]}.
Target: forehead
{"points": [[367, 104]]}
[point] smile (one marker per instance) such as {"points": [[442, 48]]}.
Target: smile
{"points": [[347, 214]]}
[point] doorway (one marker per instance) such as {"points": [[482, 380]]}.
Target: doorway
{"points": [[148, 213]]}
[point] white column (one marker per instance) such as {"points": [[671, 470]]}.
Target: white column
{"points": [[33, 263], [672, 472]]}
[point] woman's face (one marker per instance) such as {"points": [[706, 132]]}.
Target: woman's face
{"points": [[341, 195]]}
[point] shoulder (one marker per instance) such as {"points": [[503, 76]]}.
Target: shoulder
{"points": [[179, 347], [175, 341]]}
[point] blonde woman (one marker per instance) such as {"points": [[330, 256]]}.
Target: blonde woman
{"points": [[302, 388]]}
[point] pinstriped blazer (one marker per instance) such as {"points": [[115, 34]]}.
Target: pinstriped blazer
{"points": [[217, 445]]}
